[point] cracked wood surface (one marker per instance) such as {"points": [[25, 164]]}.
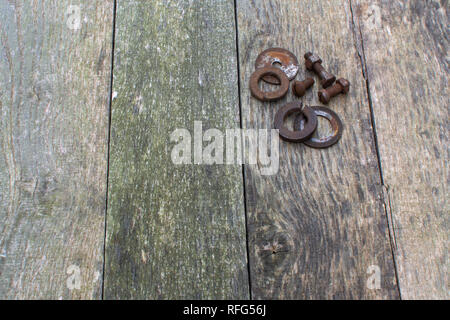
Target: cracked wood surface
{"points": [[173, 231], [54, 89], [317, 228], [405, 46]]}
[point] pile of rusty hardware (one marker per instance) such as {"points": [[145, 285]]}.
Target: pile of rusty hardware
{"points": [[305, 124]]}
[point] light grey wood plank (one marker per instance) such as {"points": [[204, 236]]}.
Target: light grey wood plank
{"points": [[405, 46], [317, 229], [173, 231], [54, 93]]}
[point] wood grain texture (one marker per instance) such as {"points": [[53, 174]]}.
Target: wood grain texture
{"points": [[54, 85], [318, 226], [173, 231], [405, 46]]}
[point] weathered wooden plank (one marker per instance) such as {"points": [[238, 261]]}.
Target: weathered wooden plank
{"points": [[173, 231], [318, 228], [54, 92], [405, 46]]}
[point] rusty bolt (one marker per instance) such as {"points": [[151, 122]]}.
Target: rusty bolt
{"points": [[341, 86], [314, 63], [300, 87]]}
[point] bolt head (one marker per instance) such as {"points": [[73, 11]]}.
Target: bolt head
{"points": [[311, 59], [345, 85], [324, 97], [299, 88]]}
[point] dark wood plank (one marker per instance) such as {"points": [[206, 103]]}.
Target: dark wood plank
{"points": [[405, 46], [54, 93], [173, 231], [317, 228]]}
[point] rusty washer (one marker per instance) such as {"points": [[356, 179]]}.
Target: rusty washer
{"points": [[335, 122], [298, 135], [271, 95], [287, 60]]}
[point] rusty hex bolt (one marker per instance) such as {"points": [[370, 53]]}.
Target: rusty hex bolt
{"points": [[341, 86], [314, 63], [300, 87]]}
